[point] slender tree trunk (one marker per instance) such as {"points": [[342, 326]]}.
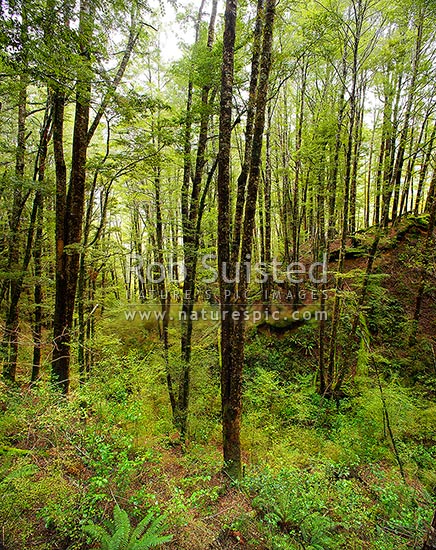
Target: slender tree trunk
{"points": [[408, 177], [37, 252], [191, 243], [399, 161], [390, 130], [392, 178], [230, 398], [323, 250], [38, 293], [369, 178], [10, 338], [424, 170], [333, 182], [82, 355], [164, 294], [335, 379], [20, 194], [11, 332], [187, 165], [267, 257], [251, 112], [296, 210], [356, 153]]}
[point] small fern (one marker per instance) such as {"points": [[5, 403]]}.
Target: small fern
{"points": [[121, 536]]}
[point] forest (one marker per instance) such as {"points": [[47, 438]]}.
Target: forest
{"points": [[217, 274]]}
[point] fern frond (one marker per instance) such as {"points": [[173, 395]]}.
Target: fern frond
{"points": [[121, 518], [141, 527], [123, 538], [99, 534], [153, 536], [150, 541], [120, 539]]}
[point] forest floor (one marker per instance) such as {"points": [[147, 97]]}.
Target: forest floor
{"points": [[318, 474]]}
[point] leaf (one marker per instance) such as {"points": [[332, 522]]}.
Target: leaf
{"points": [[98, 533], [140, 528], [121, 518]]}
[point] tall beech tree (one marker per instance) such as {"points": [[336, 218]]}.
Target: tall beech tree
{"points": [[231, 252], [70, 204], [70, 199]]}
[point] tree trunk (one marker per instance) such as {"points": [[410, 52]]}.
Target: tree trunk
{"points": [[191, 242], [338, 143], [295, 212], [164, 294], [68, 255], [37, 252], [251, 111], [10, 338], [11, 332], [333, 378], [424, 170], [399, 161], [229, 402], [267, 257], [233, 304]]}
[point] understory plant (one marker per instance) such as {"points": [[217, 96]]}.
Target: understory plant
{"points": [[120, 535]]}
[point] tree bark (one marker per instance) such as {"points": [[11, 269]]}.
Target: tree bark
{"points": [[230, 407], [68, 250], [233, 296]]}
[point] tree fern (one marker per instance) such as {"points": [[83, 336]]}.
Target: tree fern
{"points": [[147, 534]]}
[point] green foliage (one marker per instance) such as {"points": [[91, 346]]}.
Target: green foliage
{"points": [[120, 535], [385, 315], [330, 508], [294, 503], [282, 355]]}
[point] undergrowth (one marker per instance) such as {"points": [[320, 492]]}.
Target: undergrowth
{"points": [[318, 474]]}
